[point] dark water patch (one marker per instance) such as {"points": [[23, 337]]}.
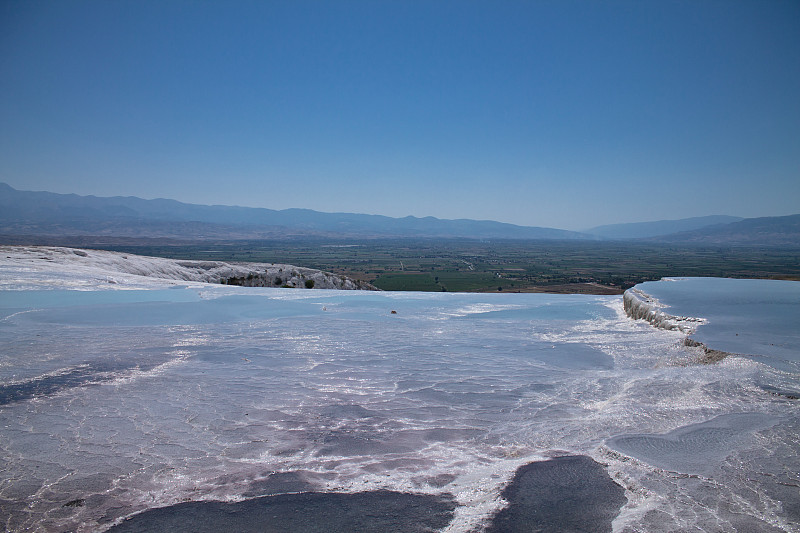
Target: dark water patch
{"points": [[572, 493], [341, 411], [789, 394], [449, 434], [440, 481], [439, 394], [347, 443], [77, 376], [573, 356], [279, 483], [309, 512]]}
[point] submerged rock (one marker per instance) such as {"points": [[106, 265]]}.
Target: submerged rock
{"points": [[306, 512], [571, 493]]}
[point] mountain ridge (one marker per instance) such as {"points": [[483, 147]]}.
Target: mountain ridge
{"points": [[40, 212], [643, 230], [53, 215], [759, 231]]}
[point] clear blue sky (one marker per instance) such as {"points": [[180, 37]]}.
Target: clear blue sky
{"points": [[563, 113]]}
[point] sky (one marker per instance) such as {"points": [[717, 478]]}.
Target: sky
{"points": [[564, 113]]}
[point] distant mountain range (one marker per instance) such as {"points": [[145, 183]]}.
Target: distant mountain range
{"points": [[51, 215], [45, 213], [644, 230], [773, 231]]}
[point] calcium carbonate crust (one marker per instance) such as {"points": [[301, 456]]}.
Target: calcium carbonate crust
{"points": [[115, 266], [639, 305]]}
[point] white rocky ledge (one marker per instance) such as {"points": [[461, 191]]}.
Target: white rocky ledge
{"points": [[641, 306], [24, 267]]}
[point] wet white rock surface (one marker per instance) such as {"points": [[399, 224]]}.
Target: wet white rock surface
{"points": [[116, 402], [57, 267]]}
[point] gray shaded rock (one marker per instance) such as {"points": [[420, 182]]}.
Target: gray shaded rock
{"points": [[308, 512], [565, 494]]}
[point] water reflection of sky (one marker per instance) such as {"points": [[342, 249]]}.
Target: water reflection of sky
{"points": [[749, 317]]}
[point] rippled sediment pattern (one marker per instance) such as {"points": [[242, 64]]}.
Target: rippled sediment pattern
{"points": [[230, 393]]}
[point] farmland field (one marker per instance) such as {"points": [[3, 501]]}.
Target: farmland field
{"points": [[479, 266]]}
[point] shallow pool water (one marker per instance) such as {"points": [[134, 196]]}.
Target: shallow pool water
{"points": [[116, 402]]}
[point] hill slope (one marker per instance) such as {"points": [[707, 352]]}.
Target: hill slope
{"points": [[764, 231], [641, 230]]}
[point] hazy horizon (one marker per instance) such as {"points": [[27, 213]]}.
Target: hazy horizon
{"points": [[379, 214], [552, 114]]}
